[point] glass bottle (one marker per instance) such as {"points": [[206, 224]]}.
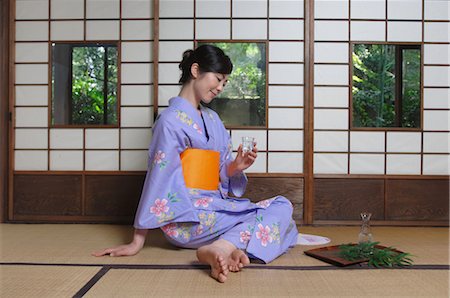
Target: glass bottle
{"points": [[365, 234]]}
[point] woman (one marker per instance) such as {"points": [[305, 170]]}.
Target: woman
{"points": [[191, 172]]}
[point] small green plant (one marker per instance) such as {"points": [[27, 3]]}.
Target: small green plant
{"points": [[377, 257]]}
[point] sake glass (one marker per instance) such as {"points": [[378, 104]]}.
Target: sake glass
{"points": [[247, 144]]}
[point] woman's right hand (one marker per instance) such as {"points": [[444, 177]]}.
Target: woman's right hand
{"points": [[120, 251], [129, 249]]}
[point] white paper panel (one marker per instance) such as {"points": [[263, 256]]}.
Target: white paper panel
{"points": [[102, 9], [137, 9], [31, 52], [366, 141], [137, 51], [436, 32], [330, 163], [331, 9], [169, 73], [66, 138], [213, 9], [285, 140], [25, 160], [136, 117], [331, 97], [176, 9], [286, 29], [31, 31], [285, 118], [66, 160], [31, 73], [405, 31], [436, 76], [404, 142], [67, 9], [135, 138], [176, 29], [136, 95], [260, 164], [330, 119], [67, 30], [102, 138], [133, 160], [330, 74], [172, 51], [259, 135], [136, 73], [330, 30], [137, 30], [285, 96], [213, 29], [100, 160], [403, 164], [437, 10], [286, 8], [285, 73], [102, 30], [31, 117], [249, 29], [367, 9], [436, 120], [331, 52], [31, 95], [166, 93], [330, 141], [436, 53], [438, 142], [436, 164], [366, 163], [436, 98], [31, 138], [285, 51], [285, 163], [368, 30], [31, 10], [405, 10], [250, 9]]}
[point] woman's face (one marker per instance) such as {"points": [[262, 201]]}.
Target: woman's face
{"points": [[210, 84]]}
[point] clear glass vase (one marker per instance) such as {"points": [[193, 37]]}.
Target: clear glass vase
{"points": [[365, 235]]}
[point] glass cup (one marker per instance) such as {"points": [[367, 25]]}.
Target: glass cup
{"points": [[247, 144]]}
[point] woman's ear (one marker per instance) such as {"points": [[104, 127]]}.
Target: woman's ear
{"points": [[195, 70]]}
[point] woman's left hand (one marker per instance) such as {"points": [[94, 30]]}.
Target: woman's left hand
{"points": [[243, 160]]}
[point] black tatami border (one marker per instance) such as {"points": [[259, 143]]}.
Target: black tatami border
{"points": [[105, 268]]}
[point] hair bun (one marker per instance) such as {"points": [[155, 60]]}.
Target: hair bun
{"points": [[187, 56]]}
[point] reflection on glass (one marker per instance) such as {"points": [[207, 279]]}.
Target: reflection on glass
{"points": [[386, 85], [243, 101], [84, 84]]}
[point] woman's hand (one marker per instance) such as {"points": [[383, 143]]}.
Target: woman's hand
{"points": [[129, 249], [242, 161]]}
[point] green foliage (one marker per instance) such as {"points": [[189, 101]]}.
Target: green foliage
{"points": [[374, 81], [88, 85], [377, 257]]}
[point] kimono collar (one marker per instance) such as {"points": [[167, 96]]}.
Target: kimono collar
{"points": [[185, 106]]}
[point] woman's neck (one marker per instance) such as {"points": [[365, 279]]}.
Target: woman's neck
{"points": [[187, 92]]}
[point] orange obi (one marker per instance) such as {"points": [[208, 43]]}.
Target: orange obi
{"points": [[200, 168]]}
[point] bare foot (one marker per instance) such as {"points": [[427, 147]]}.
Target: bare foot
{"points": [[238, 260], [217, 258]]}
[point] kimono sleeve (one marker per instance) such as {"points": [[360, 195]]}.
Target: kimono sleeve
{"points": [[164, 197], [237, 183]]}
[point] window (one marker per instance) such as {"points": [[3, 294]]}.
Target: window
{"points": [[243, 101], [84, 84], [386, 85]]}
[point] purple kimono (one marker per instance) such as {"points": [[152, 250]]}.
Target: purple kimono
{"points": [[194, 217]]}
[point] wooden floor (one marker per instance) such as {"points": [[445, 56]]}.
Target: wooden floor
{"points": [[55, 261]]}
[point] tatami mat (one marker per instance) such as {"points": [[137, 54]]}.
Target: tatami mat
{"points": [[273, 283], [74, 244], [43, 281]]}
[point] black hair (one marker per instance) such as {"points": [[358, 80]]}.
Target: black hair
{"points": [[209, 58]]}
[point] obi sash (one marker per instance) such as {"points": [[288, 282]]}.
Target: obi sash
{"points": [[200, 168]]}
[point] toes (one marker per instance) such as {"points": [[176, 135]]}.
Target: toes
{"points": [[222, 277]]}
